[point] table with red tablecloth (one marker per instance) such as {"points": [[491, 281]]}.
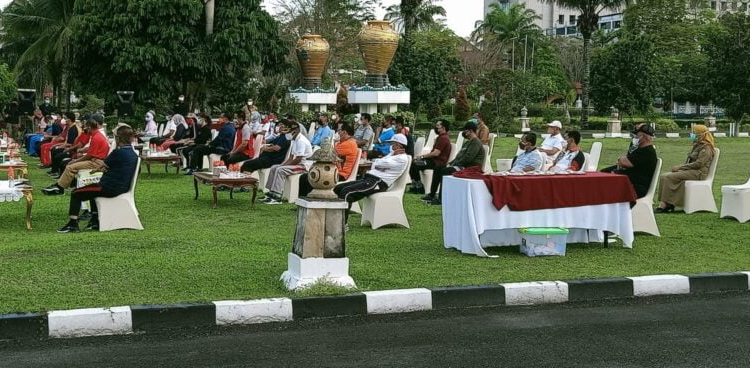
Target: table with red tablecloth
{"points": [[487, 210]]}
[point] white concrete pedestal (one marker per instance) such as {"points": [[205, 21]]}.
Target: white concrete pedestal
{"points": [[315, 100], [304, 272], [378, 100]]}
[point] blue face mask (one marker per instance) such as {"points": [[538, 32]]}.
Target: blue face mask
{"points": [[692, 137]]}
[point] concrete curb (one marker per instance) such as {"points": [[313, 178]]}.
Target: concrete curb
{"points": [[149, 318]]}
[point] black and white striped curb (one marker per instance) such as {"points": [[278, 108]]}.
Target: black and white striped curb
{"points": [[150, 318]]}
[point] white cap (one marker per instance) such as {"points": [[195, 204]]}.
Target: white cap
{"points": [[399, 138], [556, 124]]}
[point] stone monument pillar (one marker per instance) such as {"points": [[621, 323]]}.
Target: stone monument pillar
{"points": [[525, 127], [319, 247], [710, 119], [614, 125]]}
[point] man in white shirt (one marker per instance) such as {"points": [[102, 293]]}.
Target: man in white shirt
{"points": [[385, 171], [572, 159], [296, 163], [554, 144]]}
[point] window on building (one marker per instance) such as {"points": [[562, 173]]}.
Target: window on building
{"points": [[572, 30], [561, 19], [607, 25], [560, 31], [572, 19], [617, 24]]}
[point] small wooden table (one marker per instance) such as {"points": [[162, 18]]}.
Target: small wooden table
{"points": [[166, 160], [215, 182], [28, 195], [19, 166]]}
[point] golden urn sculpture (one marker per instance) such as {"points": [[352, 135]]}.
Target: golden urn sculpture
{"points": [[312, 53], [378, 42], [324, 174]]}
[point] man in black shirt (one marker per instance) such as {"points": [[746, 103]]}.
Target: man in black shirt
{"points": [[640, 162], [119, 169]]}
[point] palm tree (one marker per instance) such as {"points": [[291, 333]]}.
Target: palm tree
{"points": [[414, 15], [588, 23], [502, 27], [44, 28]]}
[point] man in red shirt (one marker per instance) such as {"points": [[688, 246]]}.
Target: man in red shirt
{"points": [[436, 159], [93, 159]]}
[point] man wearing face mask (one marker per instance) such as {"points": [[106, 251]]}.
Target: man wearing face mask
{"points": [[297, 162], [271, 153], [223, 143], [530, 159], [364, 132], [202, 137], [385, 171], [435, 160], [640, 161], [554, 144], [322, 131], [181, 106], [381, 147], [470, 155]]}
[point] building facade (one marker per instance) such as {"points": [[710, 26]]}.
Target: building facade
{"points": [[559, 21]]}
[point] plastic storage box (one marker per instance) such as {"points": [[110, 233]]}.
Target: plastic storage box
{"points": [[543, 241]]}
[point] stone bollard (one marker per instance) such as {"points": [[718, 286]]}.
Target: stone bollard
{"points": [[614, 125], [525, 127]]}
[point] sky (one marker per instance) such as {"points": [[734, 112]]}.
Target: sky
{"points": [[461, 14]]}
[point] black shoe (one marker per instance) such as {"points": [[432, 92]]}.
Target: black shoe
{"points": [[53, 190], [93, 225], [69, 228], [416, 190], [428, 197], [435, 202], [669, 208], [85, 216]]}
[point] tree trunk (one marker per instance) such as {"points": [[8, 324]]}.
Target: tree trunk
{"points": [[585, 84], [209, 7]]}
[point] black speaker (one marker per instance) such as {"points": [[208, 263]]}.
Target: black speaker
{"points": [[125, 103], [26, 101]]}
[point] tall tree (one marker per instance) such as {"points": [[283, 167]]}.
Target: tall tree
{"points": [[502, 29], [728, 64], [411, 16], [588, 23], [39, 31]]}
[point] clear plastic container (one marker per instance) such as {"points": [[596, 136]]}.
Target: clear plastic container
{"points": [[543, 241]]}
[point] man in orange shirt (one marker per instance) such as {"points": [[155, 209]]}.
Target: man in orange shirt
{"points": [[349, 153], [93, 159]]}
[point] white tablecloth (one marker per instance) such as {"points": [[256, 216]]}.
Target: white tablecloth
{"points": [[471, 222], [9, 194]]}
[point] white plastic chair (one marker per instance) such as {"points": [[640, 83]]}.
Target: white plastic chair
{"points": [[352, 177], [487, 168], [257, 144], [699, 194], [643, 211], [419, 146], [311, 131], [120, 212], [387, 207], [160, 130], [216, 157], [735, 201], [586, 160], [459, 142], [262, 174], [596, 152], [429, 143], [426, 175]]}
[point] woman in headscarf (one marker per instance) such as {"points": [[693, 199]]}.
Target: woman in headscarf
{"points": [[181, 128], [672, 185], [151, 130]]}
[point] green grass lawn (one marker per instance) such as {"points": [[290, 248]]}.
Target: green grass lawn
{"points": [[190, 252]]}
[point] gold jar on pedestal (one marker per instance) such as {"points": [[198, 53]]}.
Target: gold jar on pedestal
{"points": [[378, 42], [312, 53]]}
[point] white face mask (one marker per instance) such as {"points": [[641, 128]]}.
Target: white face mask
{"points": [[289, 136], [636, 141]]}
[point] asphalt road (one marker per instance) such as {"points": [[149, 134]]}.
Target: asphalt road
{"points": [[705, 331]]}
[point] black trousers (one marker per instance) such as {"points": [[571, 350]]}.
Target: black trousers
{"points": [[259, 163], [200, 150], [88, 193], [354, 191], [58, 155], [304, 185], [437, 178], [415, 170], [234, 158]]}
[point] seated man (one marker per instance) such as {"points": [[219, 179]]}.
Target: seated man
{"points": [[66, 138], [93, 159], [272, 153], [385, 171], [118, 168], [572, 159], [435, 160], [185, 147], [639, 163], [364, 132], [322, 131], [530, 159], [381, 147], [297, 162], [470, 155], [347, 150], [554, 144], [60, 159], [244, 140], [222, 144]]}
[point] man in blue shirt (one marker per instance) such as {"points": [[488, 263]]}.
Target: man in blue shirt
{"points": [[382, 147], [272, 153], [322, 131], [119, 168], [222, 144], [530, 159]]}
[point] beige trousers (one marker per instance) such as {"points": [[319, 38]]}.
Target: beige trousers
{"points": [[672, 186], [72, 169]]}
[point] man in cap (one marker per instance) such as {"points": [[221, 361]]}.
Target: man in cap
{"points": [[554, 143], [640, 161], [385, 171]]}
